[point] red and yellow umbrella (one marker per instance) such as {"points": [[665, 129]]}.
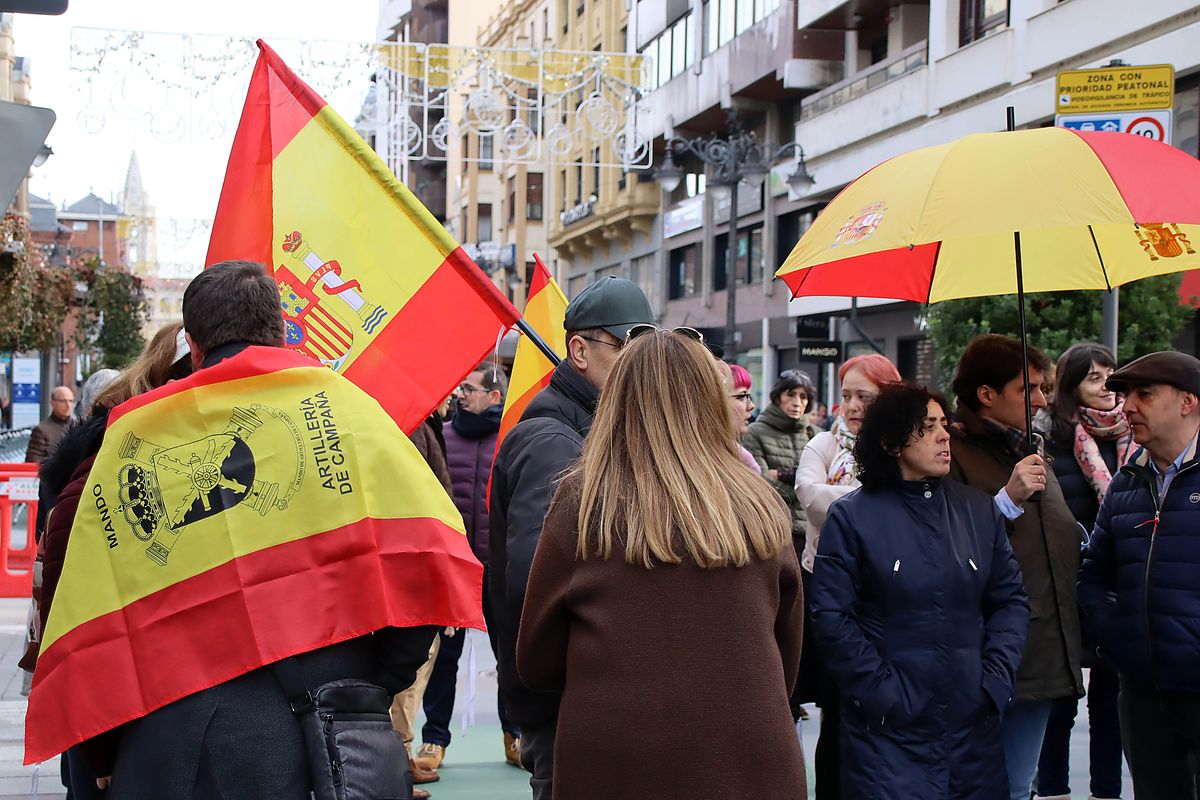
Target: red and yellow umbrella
{"points": [[1070, 209]]}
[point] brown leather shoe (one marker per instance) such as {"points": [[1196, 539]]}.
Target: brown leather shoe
{"points": [[512, 749], [421, 794], [422, 774], [430, 756]]}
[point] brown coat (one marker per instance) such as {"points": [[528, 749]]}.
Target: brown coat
{"points": [[433, 453], [1046, 540], [661, 669]]}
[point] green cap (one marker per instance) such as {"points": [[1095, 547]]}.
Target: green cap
{"points": [[614, 304]]}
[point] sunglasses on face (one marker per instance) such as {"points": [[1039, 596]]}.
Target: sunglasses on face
{"points": [[641, 330]]}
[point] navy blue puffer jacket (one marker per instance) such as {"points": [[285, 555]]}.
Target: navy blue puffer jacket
{"points": [[1139, 584], [918, 606]]}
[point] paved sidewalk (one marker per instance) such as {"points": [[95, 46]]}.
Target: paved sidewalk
{"points": [[474, 768], [17, 781]]}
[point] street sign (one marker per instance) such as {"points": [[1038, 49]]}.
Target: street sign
{"points": [[1151, 124], [820, 352], [1090, 91], [812, 327]]}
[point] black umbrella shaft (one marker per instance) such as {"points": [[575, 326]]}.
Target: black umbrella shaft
{"points": [[1024, 340]]}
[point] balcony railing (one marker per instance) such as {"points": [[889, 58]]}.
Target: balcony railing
{"points": [[864, 81]]}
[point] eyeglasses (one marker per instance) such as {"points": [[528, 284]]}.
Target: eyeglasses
{"points": [[616, 346], [642, 330], [741, 397], [467, 388]]}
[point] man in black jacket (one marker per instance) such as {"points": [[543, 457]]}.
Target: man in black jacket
{"points": [[535, 453], [1138, 586]]}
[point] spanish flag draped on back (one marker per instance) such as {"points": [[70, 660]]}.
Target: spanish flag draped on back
{"points": [[371, 284], [545, 310], [263, 507]]}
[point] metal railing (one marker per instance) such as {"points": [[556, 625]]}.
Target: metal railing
{"points": [[864, 81], [13, 444]]}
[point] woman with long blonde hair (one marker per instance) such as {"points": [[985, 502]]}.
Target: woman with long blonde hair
{"points": [[664, 601]]}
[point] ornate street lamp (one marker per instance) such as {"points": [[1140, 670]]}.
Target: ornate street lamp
{"points": [[737, 157]]}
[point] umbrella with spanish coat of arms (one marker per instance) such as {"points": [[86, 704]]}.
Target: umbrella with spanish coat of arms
{"points": [[1045, 209]]}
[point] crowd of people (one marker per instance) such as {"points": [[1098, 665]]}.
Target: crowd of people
{"points": [[668, 569]]}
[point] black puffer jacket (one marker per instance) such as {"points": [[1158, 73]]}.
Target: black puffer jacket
{"points": [[1076, 488], [525, 475], [1137, 584]]}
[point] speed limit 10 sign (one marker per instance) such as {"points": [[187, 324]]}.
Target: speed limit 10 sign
{"points": [[1151, 124]]}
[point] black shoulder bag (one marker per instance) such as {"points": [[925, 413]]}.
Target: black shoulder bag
{"points": [[353, 752]]}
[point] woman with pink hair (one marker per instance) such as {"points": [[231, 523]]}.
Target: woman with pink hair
{"points": [[741, 405], [827, 471]]}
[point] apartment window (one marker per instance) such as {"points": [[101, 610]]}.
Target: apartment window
{"points": [[720, 262], [545, 24], [641, 272], [978, 18], [749, 264], [750, 256], [671, 50], [533, 195], [579, 8], [578, 184], [596, 172], [565, 13], [744, 15], [79, 226], [563, 193], [483, 225], [486, 142], [512, 199], [576, 285], [684, 272], [466, 150]]}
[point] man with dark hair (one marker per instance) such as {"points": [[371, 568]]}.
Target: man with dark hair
{"points": [[533, 456], [991, 451], [243, 286], [240, 738], [1138, 584]]}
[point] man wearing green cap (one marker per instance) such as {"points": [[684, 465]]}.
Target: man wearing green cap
{"points": [[547, 441]]}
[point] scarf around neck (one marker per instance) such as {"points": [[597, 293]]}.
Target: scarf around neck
{"points": [[843, 467], [1095, 426], [477, 426]]}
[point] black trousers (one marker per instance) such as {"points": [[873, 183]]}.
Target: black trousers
{"points": [[537, 757], [1161, 735], [816, 683]]}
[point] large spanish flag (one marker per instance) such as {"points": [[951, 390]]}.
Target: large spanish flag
{"points": [[263, 507], [545, 309], [371, 284]]}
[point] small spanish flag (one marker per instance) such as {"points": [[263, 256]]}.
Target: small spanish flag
{"points": [[263, 507], [545, 309], [371, 284]]}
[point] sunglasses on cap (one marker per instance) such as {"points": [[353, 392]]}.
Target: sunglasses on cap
{"points": [[643, 329]]}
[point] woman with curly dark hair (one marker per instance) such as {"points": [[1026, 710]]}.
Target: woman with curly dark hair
{"points": [[919, 610]]}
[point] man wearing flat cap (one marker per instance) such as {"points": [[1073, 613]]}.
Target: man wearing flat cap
{"points": [[1139, 584], [533, 456]]}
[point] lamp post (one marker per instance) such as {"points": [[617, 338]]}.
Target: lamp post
{"points": [[737, 157]]}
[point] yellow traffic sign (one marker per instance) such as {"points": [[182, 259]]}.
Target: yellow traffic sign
{"points": [[1082, 91]]}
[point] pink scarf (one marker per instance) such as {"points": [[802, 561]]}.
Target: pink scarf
{"points": [[1107, 426]]}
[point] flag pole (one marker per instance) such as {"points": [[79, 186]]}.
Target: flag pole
{"points": [[539, 341]]}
